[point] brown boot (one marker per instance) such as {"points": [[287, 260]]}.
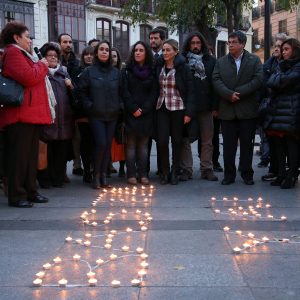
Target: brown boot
{"points": [[209, 175]]}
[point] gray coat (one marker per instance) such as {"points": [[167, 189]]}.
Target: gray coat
{"points": [[226, 81]]}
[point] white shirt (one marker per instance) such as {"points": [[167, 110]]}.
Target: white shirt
{"points": [[238, 62]]}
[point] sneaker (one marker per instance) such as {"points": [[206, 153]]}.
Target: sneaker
{"points": [[217, 167], [269, 177], [263, 164], [132, 180], [144, 180], [209, 175]]}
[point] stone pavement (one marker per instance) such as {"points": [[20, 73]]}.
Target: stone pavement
{"points": [[190, 255]]}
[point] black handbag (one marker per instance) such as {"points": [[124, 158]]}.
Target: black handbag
{"points": [[11, 92]]}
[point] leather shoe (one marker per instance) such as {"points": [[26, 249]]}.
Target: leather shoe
{"points": [[248, 181], [22, 204], [38, 199], [227, 181]]}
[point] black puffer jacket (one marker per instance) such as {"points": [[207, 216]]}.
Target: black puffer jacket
{"points": [[101, 92], [143, 95], [184, 82], [285, 97]]}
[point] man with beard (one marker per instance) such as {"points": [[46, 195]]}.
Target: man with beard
{"points": [[69, 60], [201, 62]]}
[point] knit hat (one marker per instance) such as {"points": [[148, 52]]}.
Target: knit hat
{"points": [[172, 43]]}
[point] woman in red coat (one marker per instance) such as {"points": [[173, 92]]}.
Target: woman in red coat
{"points": [[21, 124]]}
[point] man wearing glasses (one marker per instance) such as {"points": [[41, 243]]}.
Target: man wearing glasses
{"points": [[236, 78]]}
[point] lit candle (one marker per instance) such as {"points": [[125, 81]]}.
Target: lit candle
{"points": [[37, 282], [107, 246], [94, 224], [230, 209], [135, 282], [76, 257], [246, 245], [241, 208], [149, 218], [115, 283], [225, 199], [125, 248], [238, 232], [144, 256], [138, 212], [86, 222], [237, 250], [144, 265], [57, 260], [245, 213], [217, 211], [213, 198], [285, 240], [265, 239], [270, 216], [99, 261], [146, 200], [113, 257], [259, 199], [108, 218], [251, 235], [151, 187], [139, 250], [124, 211], [110, 235], [268, 205], [90, 274], [92, 281], [250, 199], [142, 272], [88, 235], [141, 223], [68, 239], [79, 241], [255, 242], [111, 214], [40, 274], [283, 218], [93, 211], [258, 215], [63, 282], [226, 228], [47, 266], [129, 229], [144, 228], [106, 221], [87, 243], [147, 214]]}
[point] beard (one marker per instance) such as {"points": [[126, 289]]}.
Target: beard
{"points": [[196, 51]]}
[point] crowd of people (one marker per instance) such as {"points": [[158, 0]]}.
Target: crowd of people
{"points": [[85, 110]]}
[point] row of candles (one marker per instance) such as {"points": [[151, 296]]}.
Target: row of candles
{"points": [[251, 211], [92, 281]]}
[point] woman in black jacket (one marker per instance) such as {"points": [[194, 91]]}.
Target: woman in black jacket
{"points": [[174, 107], [100, 89], [139, 107], [284, 123]]}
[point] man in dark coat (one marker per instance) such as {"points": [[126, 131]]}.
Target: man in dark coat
{"points": [[196, 52], [69, 60], [236, 78]]}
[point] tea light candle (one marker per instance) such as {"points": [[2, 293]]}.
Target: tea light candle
{"points": [[144, 228], [270, 216], [76, 257], [138, 212], [79, 241], [255, 242], [283, 218], [106, 221], [88, 235], [285, 240], [93, 211], [144, 265], [68, 239], [129, 229], [146, 200], [246, 245], [245, 213], [37, 282], [47, 266], [237, 250], [238, 232], [226, 228], [107, 246], [115, 283], [135, 282], [92, 281], [110, 235], [265, 239], [86, 222], [40, 274], [141, 223], [217, 211], [63, 282], [142, 272], [144, 256], [113, 257], [149, 218], [213, 199], [268, 205], [139, 250], [90, 274], [125, 248], [124, 211], [108, 241], [87, 243], [251, 235], [99, 261], [108, 218], [57, 260]]}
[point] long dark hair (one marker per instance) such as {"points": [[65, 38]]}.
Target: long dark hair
{"points": [[85, 51], [96, 59], [187, 43], [295, 44], [119, 63], [148, 56]]}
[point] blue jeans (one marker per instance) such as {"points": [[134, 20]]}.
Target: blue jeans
{"points": [[103, 132], [136, 155]]}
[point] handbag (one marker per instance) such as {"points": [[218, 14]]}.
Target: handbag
{"points": [[11, 92]]}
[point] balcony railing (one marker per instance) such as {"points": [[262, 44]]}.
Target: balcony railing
{"points": [[119, 3]]}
